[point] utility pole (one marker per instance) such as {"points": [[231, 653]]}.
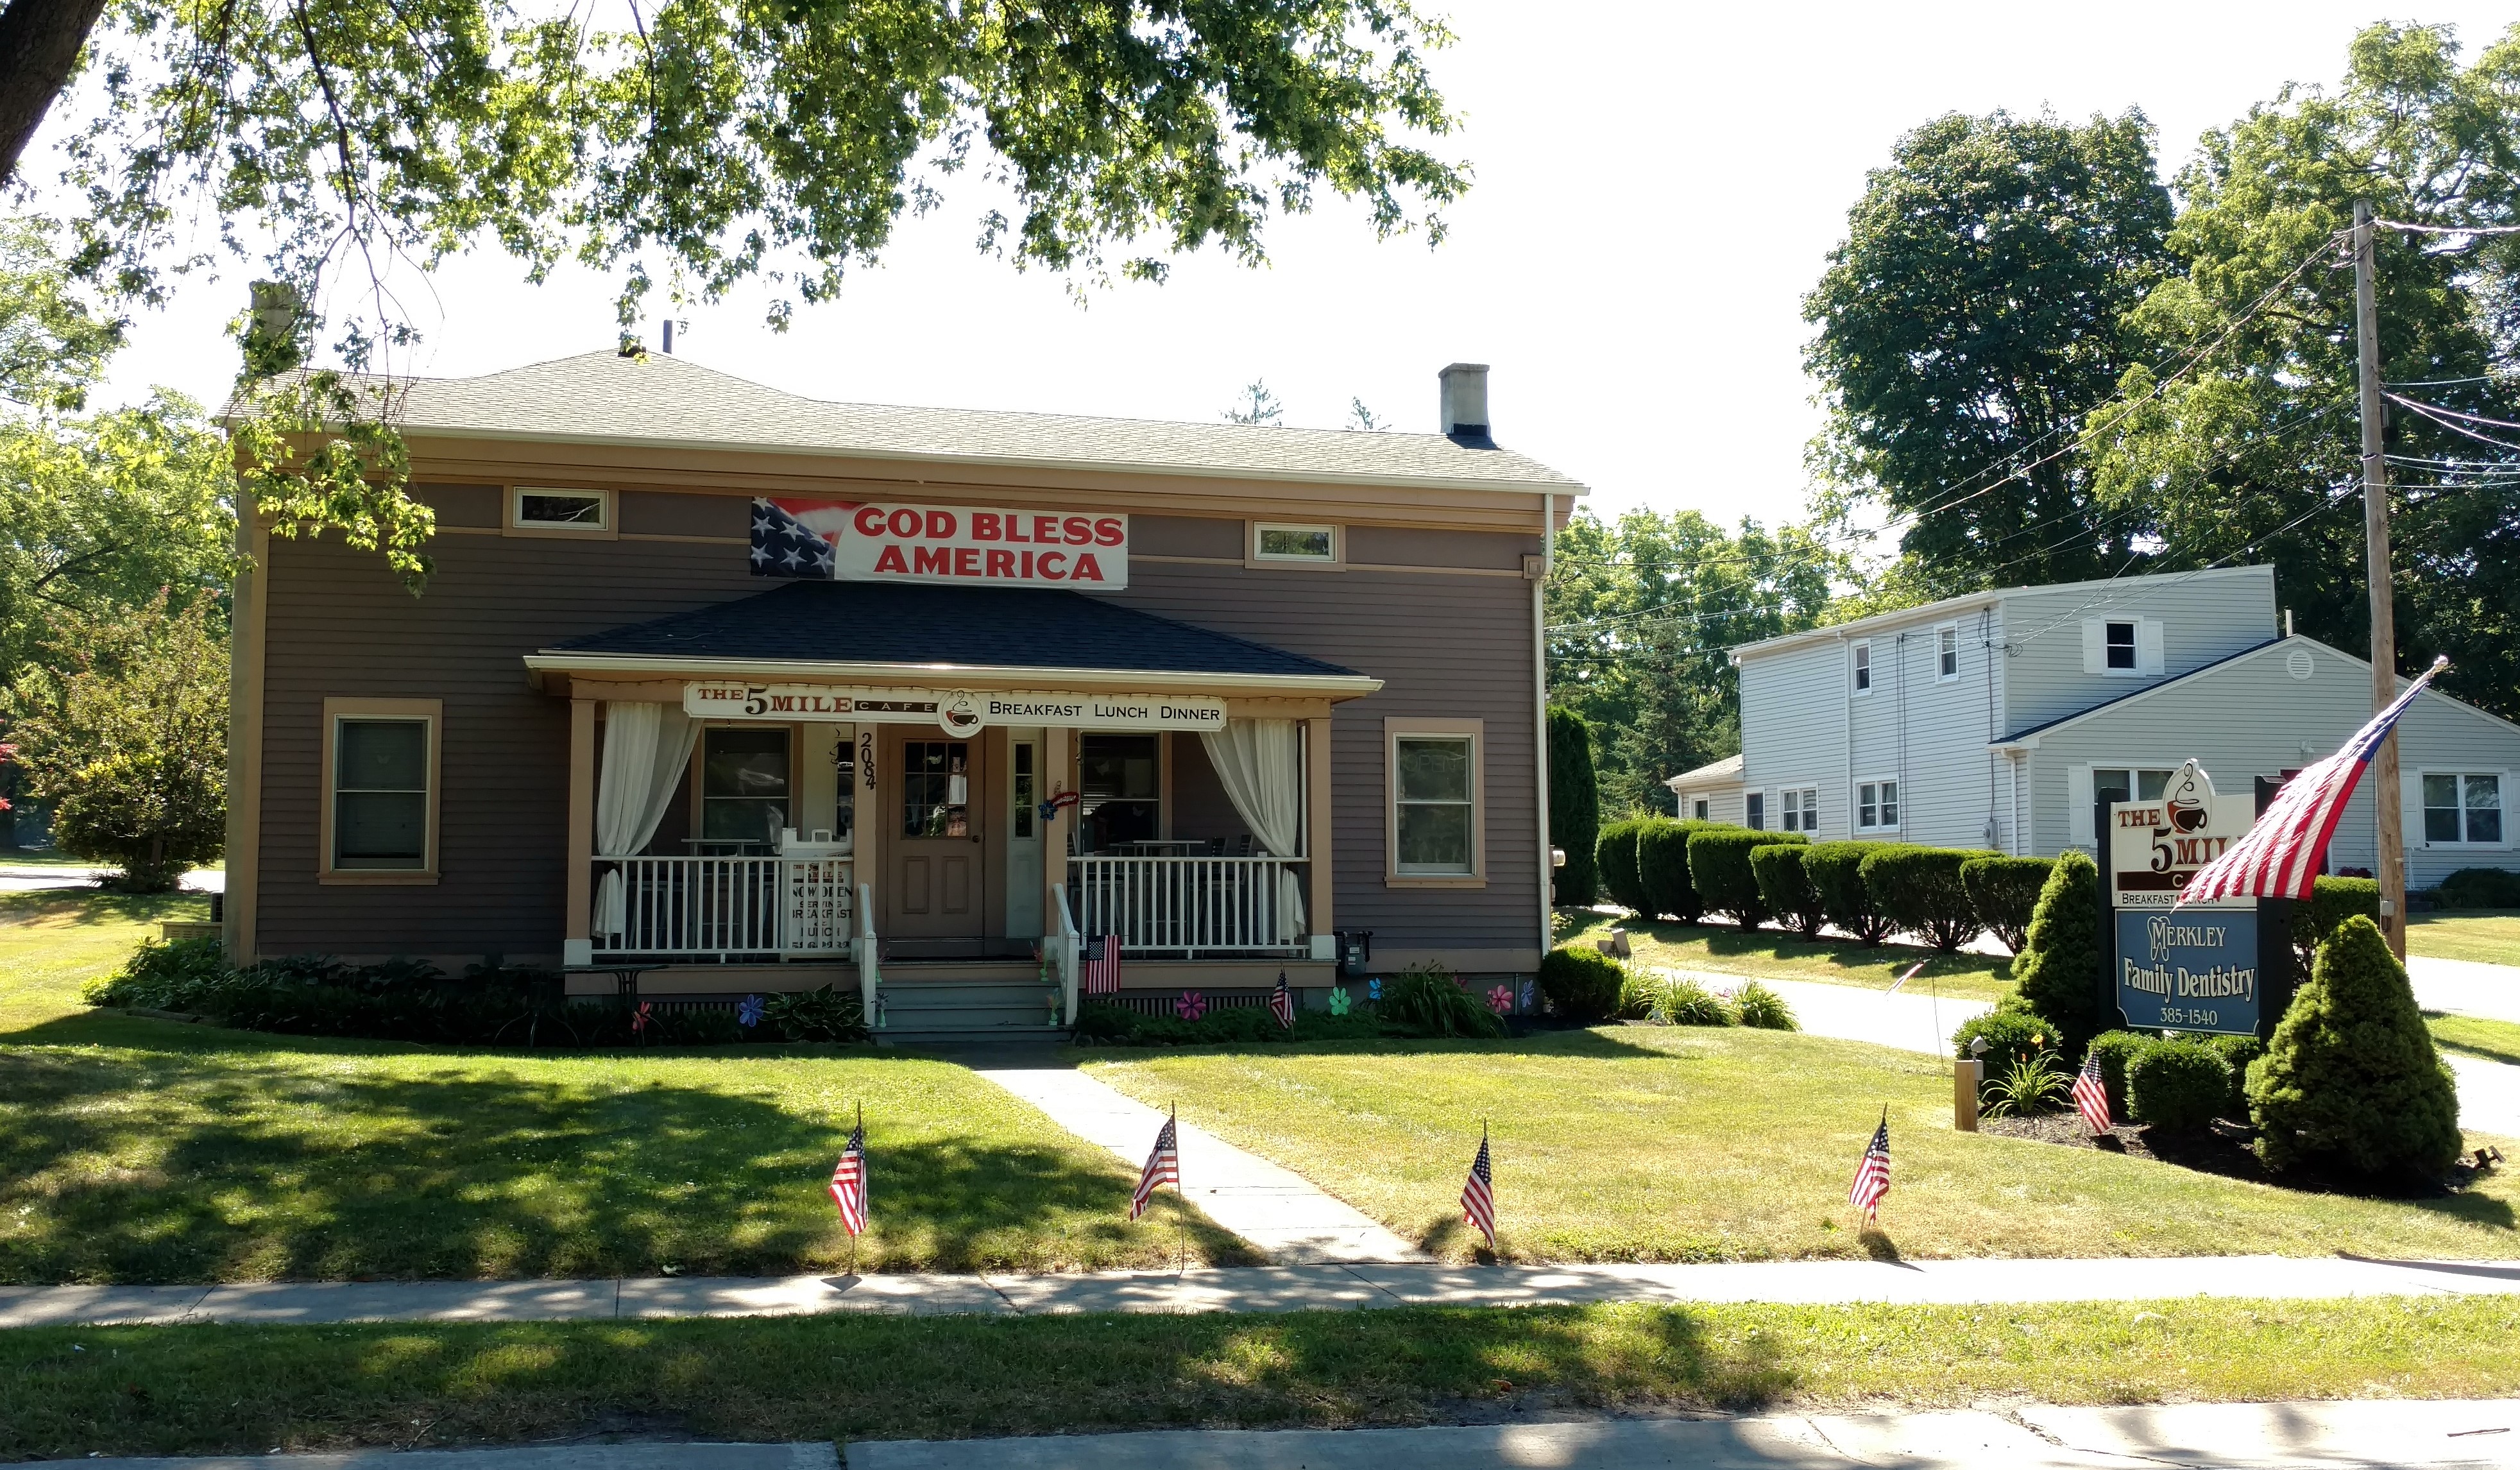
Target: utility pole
{"points": [[2386, 801]]}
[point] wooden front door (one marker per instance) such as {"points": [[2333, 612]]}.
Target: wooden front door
{"points": [[935, 876]]}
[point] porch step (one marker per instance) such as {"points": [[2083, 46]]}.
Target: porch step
{"points": [[967, 1009], [926, 972]]}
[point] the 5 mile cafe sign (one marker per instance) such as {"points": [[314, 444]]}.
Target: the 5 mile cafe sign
{"points": [[2203, 967]]}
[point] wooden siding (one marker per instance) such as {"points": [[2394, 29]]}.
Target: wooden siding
{"points": [[341, 626]]}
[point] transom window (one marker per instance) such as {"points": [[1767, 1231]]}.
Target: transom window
{"points": [[1876, 804], [1799, 806], [1432, 791], [2117, 641], [381, 795], [1295, 543], [1862, 668], [2464, 808], [744, 784], [532, 508], [2120, 784]]}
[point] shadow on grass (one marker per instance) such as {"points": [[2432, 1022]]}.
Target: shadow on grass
{"points": [[1724, 941], [1609, 1044], [93, 905], [162, 1167]]}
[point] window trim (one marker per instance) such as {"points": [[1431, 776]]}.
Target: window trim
{"points": [[2134, 648], [431, 713], [2460, 773], [513, 523], [1253, 557], [1858, 666], [1953, 631], [1855, 805], [1705, 806], [1394, 729], [1761, 793]]}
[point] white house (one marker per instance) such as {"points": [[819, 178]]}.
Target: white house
{"points": [[1994, 719]]}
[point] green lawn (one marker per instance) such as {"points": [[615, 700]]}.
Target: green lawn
{"points": [[1772, 954], [2489, 935], [213, 1390], [138, 1150], [1638, 1143], [2493, 1041]]}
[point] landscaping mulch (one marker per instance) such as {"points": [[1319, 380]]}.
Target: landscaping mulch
{"points": [[2224, 1148]]}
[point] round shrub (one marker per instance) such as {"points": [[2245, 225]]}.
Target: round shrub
{"points": [[2479, 888], [2004, 893], [1662, 865], [2351, 1078], [1758, 1006], [2011, 1037], [1582, 984], [1686, 1003], [2117, 1050], [1919, 889], [2179, 1085], [1718, 868], [2057, 973], [1836, 872], [1785, 886], [1614, 864], [2238, 1052]]}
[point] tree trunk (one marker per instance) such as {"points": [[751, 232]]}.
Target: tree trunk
{"points": [[39, 44]]}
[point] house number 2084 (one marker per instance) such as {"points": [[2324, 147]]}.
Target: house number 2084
{"points": [[866, 756]]}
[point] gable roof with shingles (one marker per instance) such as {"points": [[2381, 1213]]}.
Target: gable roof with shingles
{"points": [[1713, 774], [667, 402]]}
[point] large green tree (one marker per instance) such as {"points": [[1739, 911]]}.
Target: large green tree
{"points": [[1639, 615], [1972, 316], [2253, 453], [683, 146]]}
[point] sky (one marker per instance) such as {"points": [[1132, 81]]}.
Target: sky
{"points": [[1657, 185]]}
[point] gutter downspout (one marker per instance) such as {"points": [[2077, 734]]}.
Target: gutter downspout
{"points": [[1986, 651], [1846, 704], [1540, 712]]}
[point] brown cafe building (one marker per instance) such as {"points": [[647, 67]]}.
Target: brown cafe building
{"points": [[737, 690]]}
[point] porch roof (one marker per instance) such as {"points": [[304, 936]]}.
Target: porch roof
{"points": [[884, 629]]}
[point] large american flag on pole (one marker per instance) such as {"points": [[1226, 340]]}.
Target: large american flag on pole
{"points": [[2279, 857], [849, 1182], [2092, 1095], [1872, 1176], [1478, 1194], [1163, 1167], [794, 537]]}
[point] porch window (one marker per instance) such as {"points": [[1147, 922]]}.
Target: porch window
{"points": [[381, 770], [1435, 794], [1120, 790], [744, 785]]}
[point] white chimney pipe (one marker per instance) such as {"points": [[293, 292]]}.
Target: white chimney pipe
{"points": [[1464, 406]]}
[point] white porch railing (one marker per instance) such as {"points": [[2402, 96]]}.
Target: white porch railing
{"points": [[727, 908], [1186, 905]]}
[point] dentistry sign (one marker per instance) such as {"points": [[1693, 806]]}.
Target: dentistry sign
{"points": [[2197, 967], [849, 540]]}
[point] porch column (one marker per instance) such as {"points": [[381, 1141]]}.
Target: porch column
{"points": [[577, 933], [1057, 747], [1317, 830]]}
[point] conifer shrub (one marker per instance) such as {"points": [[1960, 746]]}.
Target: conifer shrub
{"points": [[1759, 1008], [2351, 1079], [2003, 892], [2057, 973], [1836, 872], [1662, 863], [1614, 864], [1719, 869], [2479, 888], [1919, 889], [2179, 1085], [1785, 886], [1574, 807], [2117, 1051], [1582, 985]]}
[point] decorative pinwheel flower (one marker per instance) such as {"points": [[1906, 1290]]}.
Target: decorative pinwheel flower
{"points": [[747, 1012], [1338, 1000], [1500, 1000], [640, 1018], [1374, 989], [1190, 1006]]}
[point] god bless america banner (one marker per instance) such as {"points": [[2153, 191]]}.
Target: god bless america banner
{"points": [[849, 540]]}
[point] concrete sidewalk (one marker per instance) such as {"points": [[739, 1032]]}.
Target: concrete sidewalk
{"points": [[628, 1456], [2465, 986], [2432, 1435], [1263, 1289], [1288, 1217]]}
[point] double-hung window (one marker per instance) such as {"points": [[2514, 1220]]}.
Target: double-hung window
{"points": [[381, 766], [1947, 653], [1877, 805], [1863, 653], [2129, 784], [2462, 808], [2117, 640], [1799, 807], [1754, 808], [1436, 796]]}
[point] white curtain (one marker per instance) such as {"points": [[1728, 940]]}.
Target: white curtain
{"points": [[1260, 762], [645, 749]]}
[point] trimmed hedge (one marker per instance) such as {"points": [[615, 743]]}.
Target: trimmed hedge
{"points": [[2117, 1050], [1615, 861], [1582, 985], [2351, 1078], [2238, 1052], [2332, 901], [1919, 889], [2057, 974], [1836, 872], [2003, 892], [1785, 886], [1662, 863], [2179, 1085], [2479, 888], [1719, 869]]}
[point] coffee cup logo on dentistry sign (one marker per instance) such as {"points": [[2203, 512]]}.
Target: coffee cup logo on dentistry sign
{"points": [[2195, 969]]}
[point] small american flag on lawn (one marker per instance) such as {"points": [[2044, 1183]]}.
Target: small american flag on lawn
{"points": [[2280, 856], [1103, 965], [849, 1182], [1281, 1003], [1872, 1176], [1163, 1167], [2092, 1095], [1478, 1194]]}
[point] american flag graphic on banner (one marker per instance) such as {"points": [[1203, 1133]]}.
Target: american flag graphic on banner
{"points": [[1163, 1167], [2279, 857], [1281, 1003], [794, 537], [1478, 1194], [849, 1183], [1872, 1176], [2091, 1094], [1103, 965]]}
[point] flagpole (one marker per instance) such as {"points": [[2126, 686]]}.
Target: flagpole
{"points": [[1180, 1218], [862, 1191]]}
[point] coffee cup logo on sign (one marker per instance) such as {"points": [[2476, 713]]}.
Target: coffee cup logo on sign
{"points": [[959, 713], [2185, 799]]}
